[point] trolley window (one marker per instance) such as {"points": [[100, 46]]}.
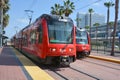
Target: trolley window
{"points": [[25, 43], [40, 33], [60, 32], [81, 37], [33, 37]]}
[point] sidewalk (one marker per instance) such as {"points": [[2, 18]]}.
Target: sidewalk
{"points": [[10, 67], [105, 56], [15, 66]]}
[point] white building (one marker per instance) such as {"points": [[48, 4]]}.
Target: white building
{"points": [[85, 19]]}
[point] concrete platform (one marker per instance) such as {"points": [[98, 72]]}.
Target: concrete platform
{"points": [[106, 56], [10, 66], [15, 66]]}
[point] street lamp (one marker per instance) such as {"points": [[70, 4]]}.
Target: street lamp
{"points": [[29, 14]]}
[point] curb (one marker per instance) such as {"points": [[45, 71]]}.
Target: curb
{"points": [[105, 59]]}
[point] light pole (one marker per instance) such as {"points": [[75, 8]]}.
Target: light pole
{"points": [[29, 14]]}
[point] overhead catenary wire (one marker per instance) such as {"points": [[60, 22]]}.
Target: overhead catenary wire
{"points": [[88, 5], [29, 11], [32, 4]]}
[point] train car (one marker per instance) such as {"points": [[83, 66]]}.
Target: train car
{"points": [[51, 38], [17, 40], [83, 47]]}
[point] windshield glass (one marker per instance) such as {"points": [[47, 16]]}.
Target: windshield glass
{"points": [[81, 37], [60, 32]]}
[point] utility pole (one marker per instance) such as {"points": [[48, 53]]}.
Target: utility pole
{"points": [[29, 14], [1, 21]]}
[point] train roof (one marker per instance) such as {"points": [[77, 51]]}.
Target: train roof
{"points": [[80, 29], [50, 17], [54, 17]]}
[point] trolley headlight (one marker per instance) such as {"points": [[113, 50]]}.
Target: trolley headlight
{"points": [[70, 49], [52, 49]]}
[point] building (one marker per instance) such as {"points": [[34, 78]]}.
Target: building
{"points": [[101, 31], [85, 19]]}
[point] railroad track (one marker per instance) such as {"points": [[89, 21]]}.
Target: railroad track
{"points": [[59, 72], [101, 65], [75, 71]]}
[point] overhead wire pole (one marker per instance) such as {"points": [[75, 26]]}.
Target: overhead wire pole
{"points": [[16, 28], [29, 14], [1, 20]]}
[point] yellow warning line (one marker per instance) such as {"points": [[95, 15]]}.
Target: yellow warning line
{"points": [[106, 59], [35, 71]]}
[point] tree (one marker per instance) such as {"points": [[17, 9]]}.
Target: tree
{"points": [[96, 24], [108, 5], [87, 27], [5, 15], [90, 11], [78, 21], [111, 24], [57, 9], [115, 25], [68, 7], [5, 20], [6, 6]]}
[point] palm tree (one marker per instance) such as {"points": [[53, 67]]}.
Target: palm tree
{"points": [[5, 20], [5, 15], [78, 21], [111, 24], [4, 7], [90, 11], [115, 25], [87, 27], [108, 5], [57, 10], [68, 7], [96, 24]]}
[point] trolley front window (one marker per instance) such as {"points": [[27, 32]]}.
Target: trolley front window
{"points": [[81, 37], [60, 32]]}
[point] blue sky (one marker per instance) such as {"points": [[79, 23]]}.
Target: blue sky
{"points": [[19, 19]]}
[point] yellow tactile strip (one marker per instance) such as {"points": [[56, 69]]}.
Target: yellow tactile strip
{"points": [[35, 72], [106, 59]]}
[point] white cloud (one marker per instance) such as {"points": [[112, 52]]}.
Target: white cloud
{"points": [[96, 4], [23, 21]]}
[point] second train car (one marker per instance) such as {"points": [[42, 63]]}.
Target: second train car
{"points": [[83, 47], [51, 38]]}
